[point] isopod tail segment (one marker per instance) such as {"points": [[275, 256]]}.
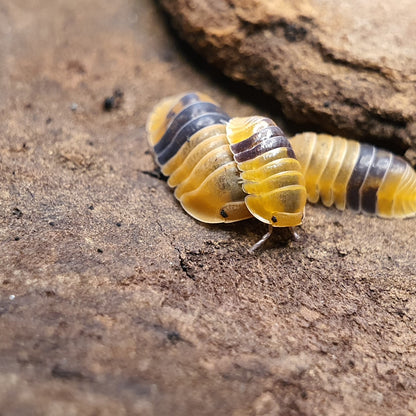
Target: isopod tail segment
{"points": [[226, 170], [356, 176]]}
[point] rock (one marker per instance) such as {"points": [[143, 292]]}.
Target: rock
{"points": [[349, 68]]}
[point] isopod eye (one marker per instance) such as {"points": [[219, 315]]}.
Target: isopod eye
{"points": [[223, 214], [274, 219]]}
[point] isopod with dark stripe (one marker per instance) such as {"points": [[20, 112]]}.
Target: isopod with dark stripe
{"points": [[356, 176], [227, 170]]}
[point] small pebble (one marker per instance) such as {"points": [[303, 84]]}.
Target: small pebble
{"points": [[113, 102]]}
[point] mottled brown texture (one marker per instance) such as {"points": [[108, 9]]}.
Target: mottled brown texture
{"points": [[113, 301], [347, 67]]}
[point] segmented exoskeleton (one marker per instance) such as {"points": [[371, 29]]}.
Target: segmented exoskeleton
{"points": [[356, 176], [223, 169], [226, 170]]}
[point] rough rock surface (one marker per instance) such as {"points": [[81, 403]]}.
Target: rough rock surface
{"points": [[347, 67], [113, 301]]}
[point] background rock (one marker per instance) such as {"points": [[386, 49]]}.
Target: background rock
{"points": [[113, 301], [349, 68]]}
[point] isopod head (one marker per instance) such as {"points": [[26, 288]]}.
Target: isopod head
{"points": [[270, 173]]}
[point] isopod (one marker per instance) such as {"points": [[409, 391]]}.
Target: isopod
{"points": [[227, 170], [356, 176]]}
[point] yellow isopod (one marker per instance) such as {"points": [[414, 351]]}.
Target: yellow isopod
{"points": [[226, 170], [356, 176]]}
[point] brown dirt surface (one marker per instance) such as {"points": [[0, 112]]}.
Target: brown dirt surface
{"points": [[113, 301], [347, 67]]}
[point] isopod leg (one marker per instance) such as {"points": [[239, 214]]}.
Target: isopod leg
{"points": [[266, 236], [295, 235], [261, 241]]}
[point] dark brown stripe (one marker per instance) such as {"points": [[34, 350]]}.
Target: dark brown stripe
{"points": [[358, 175], [256, 139], [189, 113], [268, 144], [186, 100], [187, 131], [371, 185]]}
